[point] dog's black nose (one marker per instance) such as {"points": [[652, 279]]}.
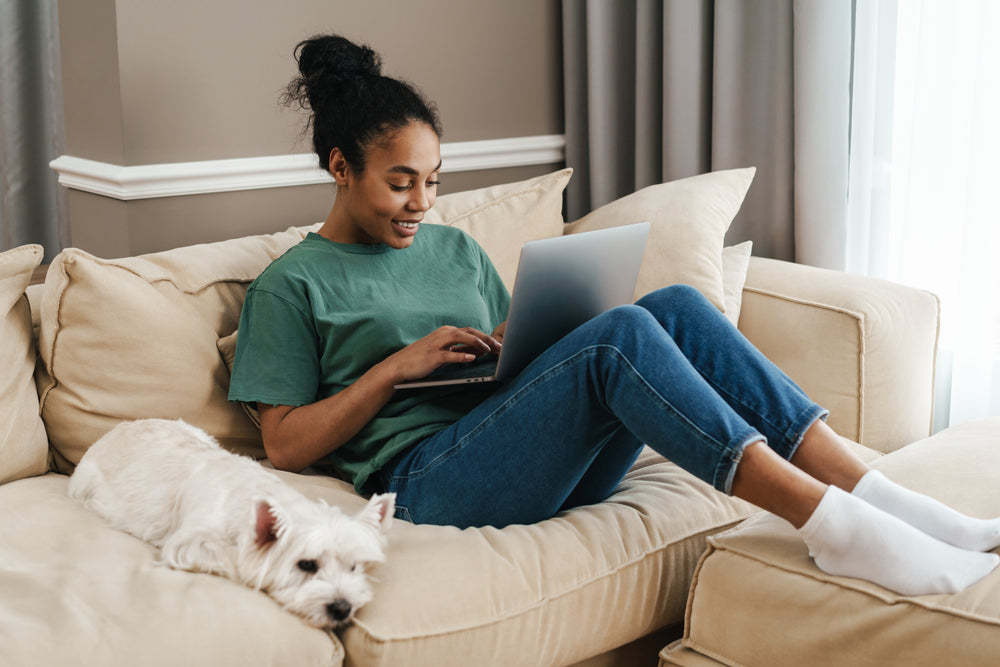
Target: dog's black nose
{"points": [[339, 610]]}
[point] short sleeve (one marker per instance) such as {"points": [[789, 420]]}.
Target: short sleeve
{"points": [[276, 353], [492, 289]]}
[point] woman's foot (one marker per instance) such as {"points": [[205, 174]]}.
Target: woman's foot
{"points": [[928, 515], [848, 537]]}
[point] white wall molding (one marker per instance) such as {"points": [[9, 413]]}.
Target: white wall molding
{"points": [[192, 178]]}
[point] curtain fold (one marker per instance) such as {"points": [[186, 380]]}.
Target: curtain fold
{"points": [[658, 90], [31, 126], [752, 117]]}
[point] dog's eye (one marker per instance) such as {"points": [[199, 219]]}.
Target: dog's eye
{"points": [[309, 566]]}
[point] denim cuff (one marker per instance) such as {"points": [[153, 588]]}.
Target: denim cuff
{"points": [[797, 431], [733, 457]]}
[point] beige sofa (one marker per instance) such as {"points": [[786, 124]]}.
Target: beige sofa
{"points": [[600, 585]]}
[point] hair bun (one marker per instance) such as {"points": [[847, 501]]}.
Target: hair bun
{"points": [[351, 103], [332, 59]]}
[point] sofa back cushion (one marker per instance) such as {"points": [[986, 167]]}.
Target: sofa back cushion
{"points": [[23, 446], [137, 337]]}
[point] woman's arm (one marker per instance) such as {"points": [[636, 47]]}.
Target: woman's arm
{"points": [[297, 437]]}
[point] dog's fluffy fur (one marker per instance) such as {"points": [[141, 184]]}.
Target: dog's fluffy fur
{"points": [[209, 510]]}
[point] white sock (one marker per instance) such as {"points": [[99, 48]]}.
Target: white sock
{"points": [[848, 537], [932, 517]]}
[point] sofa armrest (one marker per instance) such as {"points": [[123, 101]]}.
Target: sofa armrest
{"points": [[863, 348]]}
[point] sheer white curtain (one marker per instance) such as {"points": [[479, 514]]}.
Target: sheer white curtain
{"points": [[925, 175]]}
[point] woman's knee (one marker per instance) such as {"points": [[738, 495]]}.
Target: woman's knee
{"points": [[676, 297], [627, 317], [619, 327]]}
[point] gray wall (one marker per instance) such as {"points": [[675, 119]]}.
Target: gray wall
{"points": [[149, 82]]}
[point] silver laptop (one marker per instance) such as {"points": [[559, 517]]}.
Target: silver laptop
{"points": [[561, 283]]}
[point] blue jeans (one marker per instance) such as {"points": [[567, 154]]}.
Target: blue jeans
{"points": [[669, 371]]}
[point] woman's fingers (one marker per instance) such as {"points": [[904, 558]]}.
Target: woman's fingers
{"points": [[446, 345], [473, 341]]}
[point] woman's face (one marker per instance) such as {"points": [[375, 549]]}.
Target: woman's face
{"points": [[387, 201]]}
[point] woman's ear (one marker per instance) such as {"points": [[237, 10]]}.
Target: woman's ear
{"points": [[338, 167]]}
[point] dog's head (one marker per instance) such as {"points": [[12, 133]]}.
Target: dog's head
{"points": [[312, 558]]}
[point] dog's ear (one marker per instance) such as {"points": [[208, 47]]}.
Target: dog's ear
{"points": [[267, 526], [378, 512]]}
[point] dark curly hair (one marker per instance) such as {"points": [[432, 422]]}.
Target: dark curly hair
{"points": [[353, 105]]}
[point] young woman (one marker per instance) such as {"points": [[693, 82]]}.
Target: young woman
{"points": [[375, 298]]}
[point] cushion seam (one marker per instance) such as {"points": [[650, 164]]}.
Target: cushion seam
{"points": [[707, 652], [804, 302]]}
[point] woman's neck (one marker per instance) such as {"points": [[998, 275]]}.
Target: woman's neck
{"points": [[334, 226]]}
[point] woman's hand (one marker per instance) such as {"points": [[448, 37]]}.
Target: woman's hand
{"points": [[446, 345]]}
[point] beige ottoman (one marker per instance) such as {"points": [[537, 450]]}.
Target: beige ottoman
{"points": [[758, 599]]}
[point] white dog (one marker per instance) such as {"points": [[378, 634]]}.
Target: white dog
{"points": [[209, 510]]}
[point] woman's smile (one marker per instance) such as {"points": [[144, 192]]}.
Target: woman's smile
{"points": [[407, 227]]}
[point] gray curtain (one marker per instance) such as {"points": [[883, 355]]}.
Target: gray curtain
{"points": [[657, 90], [31, 127]]}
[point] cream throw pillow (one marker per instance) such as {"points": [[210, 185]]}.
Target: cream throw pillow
{"points": [[689, 219], [23, 444], [227, 348], [735, 263], [137, 337]]}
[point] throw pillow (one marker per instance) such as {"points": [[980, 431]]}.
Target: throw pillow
{"points": [[23, 443], [227, 348], [735, 262], [689, 219], [135, 338]]}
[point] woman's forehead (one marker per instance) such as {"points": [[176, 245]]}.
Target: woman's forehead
{"points": [[410, 150]]}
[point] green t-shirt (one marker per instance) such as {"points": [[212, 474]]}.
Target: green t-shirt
{"points": [[324, 313]]}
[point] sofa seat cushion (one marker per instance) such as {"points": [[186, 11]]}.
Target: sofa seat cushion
{"points": [[580, 584], [557, 592], [76, 592], [758, 599]]}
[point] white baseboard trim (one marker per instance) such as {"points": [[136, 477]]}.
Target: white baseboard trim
{"points": [[193, 178]]}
